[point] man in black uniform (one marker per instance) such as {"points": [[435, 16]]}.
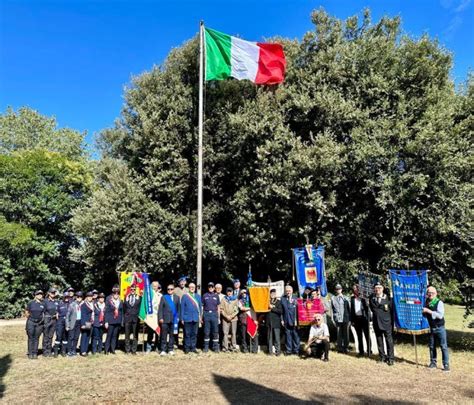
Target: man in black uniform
{"points": [[34, 323], [50, 318], [131, 308], [381, 307], [61, 333]]}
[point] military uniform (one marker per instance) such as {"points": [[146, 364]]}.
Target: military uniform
{"points": [[34, 326], [210, 307], [61, 333], [50, 319]]}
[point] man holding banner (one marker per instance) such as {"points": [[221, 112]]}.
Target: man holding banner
{"points": [[381, 307], [434, 312]]}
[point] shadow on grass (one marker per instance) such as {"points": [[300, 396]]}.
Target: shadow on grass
{"points": [[5, 363], [457, 340], [241, 391]]}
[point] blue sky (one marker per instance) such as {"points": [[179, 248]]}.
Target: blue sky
{"points": [[72, 59]]}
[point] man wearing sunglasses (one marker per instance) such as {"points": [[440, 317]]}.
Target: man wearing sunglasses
{"points": [[210, 305], [168, 316]]}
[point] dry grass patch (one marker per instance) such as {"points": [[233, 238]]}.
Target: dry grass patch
{"points": [[229, 378]]}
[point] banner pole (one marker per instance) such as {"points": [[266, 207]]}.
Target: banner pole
{"points": [[200, 175], [416, 351]]}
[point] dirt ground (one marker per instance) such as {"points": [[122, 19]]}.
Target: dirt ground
{"points": [[233, 378]]}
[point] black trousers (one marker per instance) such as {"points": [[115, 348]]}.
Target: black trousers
{"points": [[73, 337], [274, 333], [112, 338], [167, 337], [48, 333], [33, 330], [362, 328], [318, 349], [245, 337], [152, 339], [131, 327], [61, 337], [387, 334]]}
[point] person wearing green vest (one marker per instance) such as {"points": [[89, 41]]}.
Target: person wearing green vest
{"points": [[434, 312]]}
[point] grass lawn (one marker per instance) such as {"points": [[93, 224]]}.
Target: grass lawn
{"points": [[238, 378]]}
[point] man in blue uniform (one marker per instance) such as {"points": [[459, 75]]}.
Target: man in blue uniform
{"points": [[210, 305], [34, 323], [50, 319], [290, 321], [61, 334]]}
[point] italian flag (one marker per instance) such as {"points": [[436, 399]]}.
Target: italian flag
{"points": [[261, 63]]}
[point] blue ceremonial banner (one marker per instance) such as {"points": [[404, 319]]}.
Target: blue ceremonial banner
{"points": [[409, 290], [149, 298], [366, 281], [310, 269]]}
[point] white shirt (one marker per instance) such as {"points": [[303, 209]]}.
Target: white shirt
{"points": [[318, 331], [358, 306]]}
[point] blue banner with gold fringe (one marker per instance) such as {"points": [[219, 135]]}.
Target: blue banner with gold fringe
{"points": [[310, 268]]}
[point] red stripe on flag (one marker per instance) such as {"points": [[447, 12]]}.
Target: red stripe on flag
{"points": [[252, 326], [271, 64]]}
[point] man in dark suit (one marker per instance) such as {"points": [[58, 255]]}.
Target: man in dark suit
{"points": [[168, 317], [131, 308], [360, 319], [274, 323], [290, 321], [381, 307]]}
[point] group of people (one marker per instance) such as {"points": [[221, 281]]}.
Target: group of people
{"points": [[88, 317]]}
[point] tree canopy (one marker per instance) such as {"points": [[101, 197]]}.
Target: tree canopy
{"points": [[365, 148]]}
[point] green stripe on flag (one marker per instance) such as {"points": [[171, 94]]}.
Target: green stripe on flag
{"points": [[218, 63]]}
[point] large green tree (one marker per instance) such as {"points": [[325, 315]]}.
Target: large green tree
{"points": [[39, 188], [364, 148]]}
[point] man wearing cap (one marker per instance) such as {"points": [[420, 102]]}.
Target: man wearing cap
{"points": [[87, 320], [168, 317], [73, 323], [341, 312], [71, 293], [274, 323], [98, 325], [131, 308], [61, 333], [290, 321], [191, 317], [50, 318], [434, 313], [381, 307], [113, 319], [210, 304], [151, 334], [34, 323], [95, 294], [229, 311]]}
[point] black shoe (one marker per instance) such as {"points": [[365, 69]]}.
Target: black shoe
{"points": [[432, 366], [390, 362], [134, 353], [381, 360], [325, 359], [446, 369]]}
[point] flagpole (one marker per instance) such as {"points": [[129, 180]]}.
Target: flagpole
{"points": [[200, 180]]}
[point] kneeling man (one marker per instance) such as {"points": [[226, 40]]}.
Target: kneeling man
{"points": [[318, 341]]}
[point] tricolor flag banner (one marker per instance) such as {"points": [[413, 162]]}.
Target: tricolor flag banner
{"points": [[146, 313], [409, 289], [227, 56], [252, 324]]}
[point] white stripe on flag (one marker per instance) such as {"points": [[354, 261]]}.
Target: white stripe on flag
{"points": [[244, 59]]}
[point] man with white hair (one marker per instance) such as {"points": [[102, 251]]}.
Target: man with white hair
{"points": [[290, 321], [434, 312]]}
